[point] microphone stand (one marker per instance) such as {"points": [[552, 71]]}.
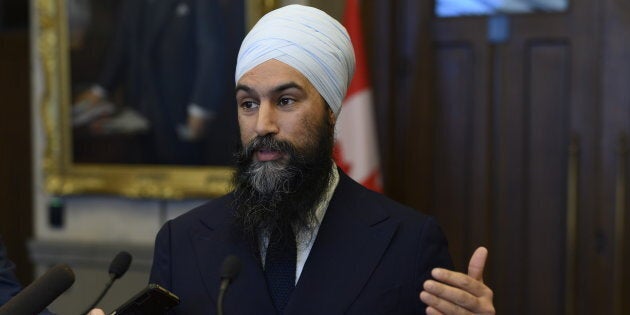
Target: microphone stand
{"points": [[229, 270], [100, 297], [224, 285], [117, 269]]}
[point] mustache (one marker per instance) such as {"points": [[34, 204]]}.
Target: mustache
{"points": [[267, 142]]}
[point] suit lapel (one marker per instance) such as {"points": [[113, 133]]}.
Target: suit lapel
{"points": [[350, 242], [214, 240]]}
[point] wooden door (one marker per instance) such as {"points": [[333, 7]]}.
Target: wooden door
{"points": [[516, 155], [519, 143], [613, 225]]}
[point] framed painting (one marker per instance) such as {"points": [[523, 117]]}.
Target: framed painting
{"points": [[137, 95]]}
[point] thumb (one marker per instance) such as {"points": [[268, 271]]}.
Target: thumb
{"points": [[477, 263]]}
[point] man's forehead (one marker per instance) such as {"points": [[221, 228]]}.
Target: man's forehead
{"points": [[243, 87], [273, 75], [309, 40]]}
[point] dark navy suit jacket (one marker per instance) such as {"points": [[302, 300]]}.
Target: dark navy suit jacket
{"points": [[371, 256]]}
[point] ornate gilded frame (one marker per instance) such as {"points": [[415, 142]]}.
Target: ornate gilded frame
{"points": [[62, 176]]}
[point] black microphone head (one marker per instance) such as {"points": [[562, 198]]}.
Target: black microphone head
{"points": [[119, 265], [230, 268], [39, 294]]}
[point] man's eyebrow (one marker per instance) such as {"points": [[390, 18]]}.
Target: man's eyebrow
{"points": [[286, 86], [242, 87], [277, 89]]}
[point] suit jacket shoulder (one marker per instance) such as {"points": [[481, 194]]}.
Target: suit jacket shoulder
{"points": [[371, 256]]}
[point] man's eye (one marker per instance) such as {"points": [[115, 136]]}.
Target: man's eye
{"points": [[286, 101], [248, 105]]}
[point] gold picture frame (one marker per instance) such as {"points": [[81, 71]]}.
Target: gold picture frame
{"points": [[62, 175]]}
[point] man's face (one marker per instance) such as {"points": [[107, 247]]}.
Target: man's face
{"points": [[285, 163], [276, 100]]}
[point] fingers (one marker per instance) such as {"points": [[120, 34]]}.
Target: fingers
{"points": [[477, 263], [456, 281], [457, 293], [438, 306], [453, 298], [96, 311], [473, 297], [431, 311]]}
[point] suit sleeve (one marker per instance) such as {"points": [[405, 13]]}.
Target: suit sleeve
{"points": [[432, 253], [161, 269]]}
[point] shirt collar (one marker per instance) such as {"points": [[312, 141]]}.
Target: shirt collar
{"points": [[320, 211]]}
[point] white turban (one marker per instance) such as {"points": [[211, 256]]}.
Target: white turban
{"points": [[308, 40]]}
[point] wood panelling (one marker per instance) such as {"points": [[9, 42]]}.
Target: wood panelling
{"points": [[15, 145], [547, 118], [512, 118], [454, 145], [615, 190]]}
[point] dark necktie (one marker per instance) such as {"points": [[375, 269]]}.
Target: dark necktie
{"points": [[280, 263]]}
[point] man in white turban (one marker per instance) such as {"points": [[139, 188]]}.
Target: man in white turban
{"points": [[308, 40], [309, 238]]}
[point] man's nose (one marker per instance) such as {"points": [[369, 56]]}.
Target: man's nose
{"points": [[266, 122]]}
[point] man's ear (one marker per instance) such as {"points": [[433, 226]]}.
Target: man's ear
{"points": [[331, 116]]}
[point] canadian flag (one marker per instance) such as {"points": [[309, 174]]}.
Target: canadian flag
{"points": [[356, 146]]}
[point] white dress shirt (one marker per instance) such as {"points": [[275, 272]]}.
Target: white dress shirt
{"points": [[305, 240]]}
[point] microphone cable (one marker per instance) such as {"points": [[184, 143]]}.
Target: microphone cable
{"points": [[117, 269]]}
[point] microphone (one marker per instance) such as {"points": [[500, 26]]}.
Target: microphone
{"points": [[39, 294], [229, 270], [117, 269], [119, 265]]}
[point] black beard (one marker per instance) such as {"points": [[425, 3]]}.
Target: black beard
{"points": [[269, 196]]}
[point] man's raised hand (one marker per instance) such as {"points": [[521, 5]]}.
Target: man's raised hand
{"points": [[456, 293]]}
